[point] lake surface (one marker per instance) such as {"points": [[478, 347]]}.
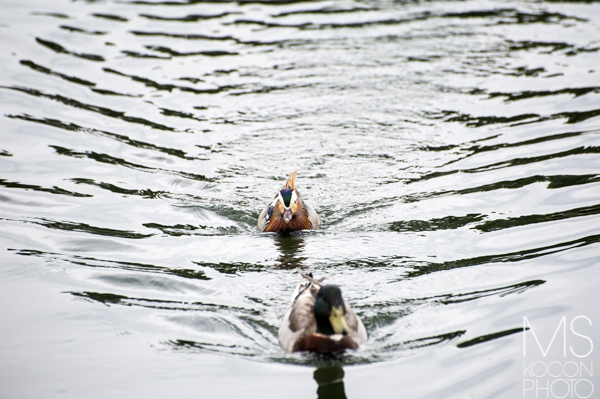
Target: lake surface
{"points": [[451, 149]]}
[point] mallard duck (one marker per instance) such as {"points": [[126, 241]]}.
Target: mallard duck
{"points": [[288, 212], [318, 320]]}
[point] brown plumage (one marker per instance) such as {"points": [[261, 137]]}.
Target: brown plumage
{"points": [[299, 221], [324, 344], [288, 212]]}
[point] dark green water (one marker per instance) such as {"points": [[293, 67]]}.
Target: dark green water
{"points": [[451, 149]]}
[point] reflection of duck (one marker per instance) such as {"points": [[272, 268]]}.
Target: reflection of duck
{"points": [[290, 247], [317, 320], [331, 384], [288, 212]]}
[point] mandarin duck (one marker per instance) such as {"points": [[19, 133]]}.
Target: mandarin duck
{"points": [[318, 320], [288, 212]]}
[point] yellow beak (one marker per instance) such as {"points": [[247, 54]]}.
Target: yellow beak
{"points": [[338, 321]]}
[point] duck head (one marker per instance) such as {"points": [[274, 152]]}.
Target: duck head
{"points": [[288, 203], [330, 311]]}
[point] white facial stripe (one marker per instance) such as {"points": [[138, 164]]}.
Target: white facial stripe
{"points": [[275, 200]]}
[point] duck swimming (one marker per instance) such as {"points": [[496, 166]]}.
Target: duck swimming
{"points": [[318, 320], [288, 212]]}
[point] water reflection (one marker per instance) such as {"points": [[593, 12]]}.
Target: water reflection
{"points": [[290, 246], [331, 382]]}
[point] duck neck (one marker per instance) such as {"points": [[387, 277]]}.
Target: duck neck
{"points": [[324, 326]]}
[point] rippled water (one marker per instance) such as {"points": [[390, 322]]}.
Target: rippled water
{"points": [[449, 147]]}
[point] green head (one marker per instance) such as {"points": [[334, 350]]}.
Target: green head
{"points": [[330, 311]]}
